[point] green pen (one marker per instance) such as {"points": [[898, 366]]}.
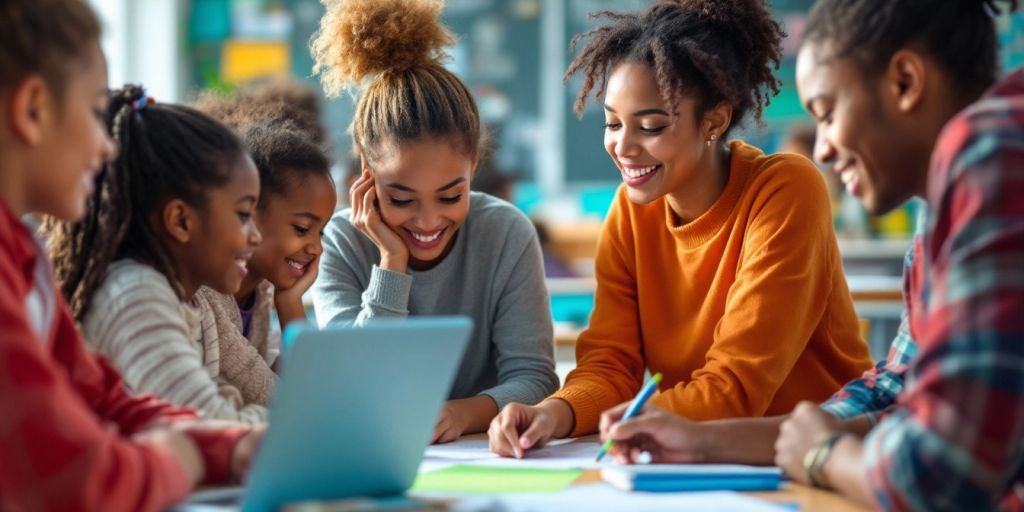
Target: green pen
{"points": [[634, 408]]}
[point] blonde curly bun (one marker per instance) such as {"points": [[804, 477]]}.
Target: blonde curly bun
{"points": [[360, 39]]}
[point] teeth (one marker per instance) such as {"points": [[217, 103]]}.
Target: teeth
{"points": [[296, 265], [242, 263], [639, 172], [847, 176], [426, 239]]}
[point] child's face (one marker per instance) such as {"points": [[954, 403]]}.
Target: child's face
{"points": [[226, 236], [292, 227], [423, 191], [656, 153], [73, 143]]}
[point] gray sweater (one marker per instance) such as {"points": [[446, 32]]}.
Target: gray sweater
{"points": [[494, 274]]}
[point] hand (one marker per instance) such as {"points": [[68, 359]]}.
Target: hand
{"points": [[394, 255], [668, 438], [245, 450], [451, 424], [179, 446], [521, 427], [293, 294], [805, 428]]}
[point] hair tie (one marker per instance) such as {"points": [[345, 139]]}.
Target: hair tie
{"points": [[143, 102]]}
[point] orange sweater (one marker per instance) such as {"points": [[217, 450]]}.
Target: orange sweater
{"points": [[745, 310]]}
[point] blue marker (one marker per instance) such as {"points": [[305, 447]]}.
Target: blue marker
{"points": [[634, 408]]}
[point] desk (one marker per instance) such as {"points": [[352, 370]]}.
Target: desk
{"points": [[810, 499]]}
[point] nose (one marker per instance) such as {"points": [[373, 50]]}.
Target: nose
{"points": [[427, 219], [824, 151], [108, 148], [255, 237], [625, 144]]}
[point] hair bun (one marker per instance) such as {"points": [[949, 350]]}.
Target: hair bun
{"points": [[359, 39]]}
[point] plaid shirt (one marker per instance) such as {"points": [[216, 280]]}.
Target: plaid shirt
{"points": [[876, 391], [956, 439]]}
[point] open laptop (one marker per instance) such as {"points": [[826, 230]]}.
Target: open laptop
{"points": [[354, 410]]}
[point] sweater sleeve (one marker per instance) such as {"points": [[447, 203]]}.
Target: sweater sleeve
{"points": [[56, 451], [522, 331], [241, 364], [140, 329], [776, 302], [339, 295], [610, 362]]}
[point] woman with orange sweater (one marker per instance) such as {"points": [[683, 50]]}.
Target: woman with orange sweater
{"points": [[717, 265]]}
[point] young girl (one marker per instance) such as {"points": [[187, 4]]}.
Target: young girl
{"points": [[296, 200], [717, 265], [416, 240], [171, 214], [71, 437]]}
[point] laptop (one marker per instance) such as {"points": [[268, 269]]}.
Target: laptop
{"points": [[354, 410]]}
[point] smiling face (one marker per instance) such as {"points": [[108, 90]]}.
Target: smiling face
{"points": [[219, 253], [861, 133], [292, 226], [657, 153], [423, 191]]}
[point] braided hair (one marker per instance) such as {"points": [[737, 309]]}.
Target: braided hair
{"points": [[714, 50], [164, 152]]}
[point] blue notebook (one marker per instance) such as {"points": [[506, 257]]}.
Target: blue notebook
{"points": [[693, 477]]}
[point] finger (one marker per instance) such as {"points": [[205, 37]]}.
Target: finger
{"points": [[536, 434], [509, 429], [610, 417], [498, 440], [357, 191]]}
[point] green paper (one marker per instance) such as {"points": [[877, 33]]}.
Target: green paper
{"points": [[486, 480]]}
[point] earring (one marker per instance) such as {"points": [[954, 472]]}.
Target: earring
{"points": [[712, 139]]}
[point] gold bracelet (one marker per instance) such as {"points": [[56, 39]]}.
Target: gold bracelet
{"points": [[817, 456]]}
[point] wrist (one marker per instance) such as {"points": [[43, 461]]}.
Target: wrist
{"points": [[561, 414], [816, 458], [394, 263]]}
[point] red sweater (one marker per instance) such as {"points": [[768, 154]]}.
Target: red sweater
{"points": [[66, 418]]}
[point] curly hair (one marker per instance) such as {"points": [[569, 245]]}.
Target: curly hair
{"points": [[393, 50], [276, 103], [714, 50], [959, 34], [165, 151]]}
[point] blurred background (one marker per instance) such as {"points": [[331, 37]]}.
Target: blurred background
{"points": [[512, 54]]}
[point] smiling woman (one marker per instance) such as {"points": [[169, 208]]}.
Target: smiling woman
{"points": [[717, 265], [416, 240]]}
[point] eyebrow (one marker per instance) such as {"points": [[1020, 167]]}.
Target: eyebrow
{"points": [[399, 186], [642, 112], [250, 198], [308, 215]]}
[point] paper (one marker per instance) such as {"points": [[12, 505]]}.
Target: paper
{"points": [[601, 497], [480, 480], [558, 454]]}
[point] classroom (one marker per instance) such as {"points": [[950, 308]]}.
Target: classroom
{"points": [[512, 255]]}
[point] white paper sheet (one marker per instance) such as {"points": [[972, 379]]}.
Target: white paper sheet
{"points": [[558, 454], [602, 497]]}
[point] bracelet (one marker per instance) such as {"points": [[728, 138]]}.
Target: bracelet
{"points": [[817, 456]]}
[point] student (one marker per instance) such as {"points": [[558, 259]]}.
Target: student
{"points": [[416, 240], [172, 213], [296, 200], [906, 108], [71, 437], [717, 265]]}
